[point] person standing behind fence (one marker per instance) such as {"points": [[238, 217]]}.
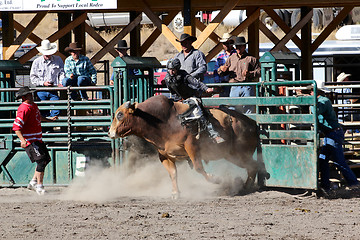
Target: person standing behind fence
{"points": [[333, 141], [242, 68], [47, 71], [79, 71], [27, 126], [121, 49], [228, 50], [192, 60]]}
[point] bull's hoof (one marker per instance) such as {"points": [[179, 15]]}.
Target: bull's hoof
{"points": [[175, 195], [211, 178]]}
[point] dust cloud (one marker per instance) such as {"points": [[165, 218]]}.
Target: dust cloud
{"points": [[148, 178]]}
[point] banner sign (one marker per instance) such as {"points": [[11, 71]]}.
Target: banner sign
{"points": [[50, 5]]}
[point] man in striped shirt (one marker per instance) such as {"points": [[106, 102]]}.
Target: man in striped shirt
{"points": [[27, 127]]}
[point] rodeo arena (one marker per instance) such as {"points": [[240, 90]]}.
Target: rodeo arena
{"points": [[223, 119]]}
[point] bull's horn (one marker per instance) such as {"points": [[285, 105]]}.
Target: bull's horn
{"points": [[127, 104]]}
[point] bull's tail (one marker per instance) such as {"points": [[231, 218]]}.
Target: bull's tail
{"points": [[262, 173]]}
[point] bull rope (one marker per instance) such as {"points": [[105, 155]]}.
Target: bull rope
{"points": [[68, 131]]}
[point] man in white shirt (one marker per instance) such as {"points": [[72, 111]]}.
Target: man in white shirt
{"points": [[47, 71]]}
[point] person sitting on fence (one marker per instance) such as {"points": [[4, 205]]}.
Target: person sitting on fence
{"points": [[47, 71], [332, 149], [27, 126], [79, 71], [189, 90]]}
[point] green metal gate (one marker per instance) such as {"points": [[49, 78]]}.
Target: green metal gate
{"points": [[72, 137], [288, 131]]}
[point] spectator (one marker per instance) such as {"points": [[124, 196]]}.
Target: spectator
{"points": [[228, 49], [122, 51], [189, 90], [79, 71], [242, 68], [332, 149], [47, 71], [192, 60], [27, 127]]}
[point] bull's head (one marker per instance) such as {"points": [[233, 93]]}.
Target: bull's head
{"points": [[123, 121]]}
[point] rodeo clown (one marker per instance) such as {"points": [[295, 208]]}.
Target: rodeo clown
{"points": [[27, 126], [187, 88]]}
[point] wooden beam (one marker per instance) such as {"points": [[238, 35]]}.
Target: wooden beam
{"points": [[201, 26], [283, 25], [205, 5], [99, 39], [33, 37], [24, 34], [215, 23], [115, 39], [55, 36], [147, 10], [293, 32], [171, 37], [271, 36], [156, 33], [164, 28], [331, 27], [250, 19]]}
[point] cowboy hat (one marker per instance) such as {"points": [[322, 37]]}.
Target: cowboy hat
{"points": [[240, 41], [47, 48], [225, 37], [185, 36], [23, 91], [122, 44], [321, 87], [342, 77], [75, 46]]}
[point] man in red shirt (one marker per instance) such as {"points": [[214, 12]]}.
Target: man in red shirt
{"points": [[27, 127]]}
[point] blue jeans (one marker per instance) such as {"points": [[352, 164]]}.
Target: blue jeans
{"points": [[243, 91], [51, 95], [77, 82], [332, 149]]}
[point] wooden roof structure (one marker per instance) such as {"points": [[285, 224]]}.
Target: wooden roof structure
{"points": [[74, 22]]}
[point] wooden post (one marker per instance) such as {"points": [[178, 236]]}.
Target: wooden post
{"points": [[7, 30], [63, 20], [79, 32], [189, 15], [253, 33], [135, 43], [306, 56]]}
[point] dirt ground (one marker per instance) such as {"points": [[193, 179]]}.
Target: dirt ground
{"points": [[118, 204]]}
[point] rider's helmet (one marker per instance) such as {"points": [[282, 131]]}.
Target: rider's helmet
{"points": [[173, 64]]}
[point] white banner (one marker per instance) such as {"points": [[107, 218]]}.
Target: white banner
{"points": [[63, 5]]}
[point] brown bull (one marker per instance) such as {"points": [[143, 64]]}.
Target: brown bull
{"points": [[156, 120]]}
